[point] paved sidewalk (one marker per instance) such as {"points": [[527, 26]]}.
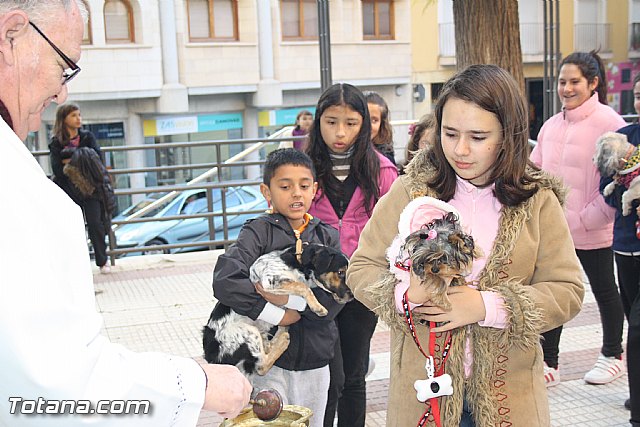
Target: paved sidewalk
{"points": [[161, 302]]}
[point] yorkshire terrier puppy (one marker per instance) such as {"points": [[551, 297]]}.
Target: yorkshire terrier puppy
{"points": [[440, 249]]}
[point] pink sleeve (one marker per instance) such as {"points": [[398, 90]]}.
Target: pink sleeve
{"points": [[496, 316], [401, 288]]}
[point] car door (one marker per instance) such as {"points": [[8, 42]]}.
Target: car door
{"points": [[191, 229]]}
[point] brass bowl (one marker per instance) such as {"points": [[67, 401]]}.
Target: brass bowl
{"points": [[291, 416]]}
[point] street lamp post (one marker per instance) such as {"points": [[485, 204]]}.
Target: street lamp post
{"points": [[551, 56], [325, 44]]}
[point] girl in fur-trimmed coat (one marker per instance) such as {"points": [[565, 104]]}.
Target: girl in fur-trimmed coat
{"points": [[527, 281]]}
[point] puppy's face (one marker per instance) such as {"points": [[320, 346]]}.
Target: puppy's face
{"points": [[611, 149], [442, 248], [335, 282], [329, 266]]}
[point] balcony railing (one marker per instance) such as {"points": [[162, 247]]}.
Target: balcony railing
{"points": [[447, 40], [531, 39], [588, 37]]}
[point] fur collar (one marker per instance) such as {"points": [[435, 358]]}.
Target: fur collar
{"points": [[81, 183]]}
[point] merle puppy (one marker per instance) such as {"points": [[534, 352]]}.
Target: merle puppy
{"points": [[233, 339]]}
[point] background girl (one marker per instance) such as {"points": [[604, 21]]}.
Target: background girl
{"points": [[381, 130], [351, 178], [69, 135], [421, 134], [565, 148], [304, 120], [626, 245], [527, 281]]}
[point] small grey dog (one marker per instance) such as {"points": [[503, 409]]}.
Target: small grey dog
{"points": [[616, 157]]}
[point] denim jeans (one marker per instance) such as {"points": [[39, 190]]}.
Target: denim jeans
{"points": [[348, 391]]}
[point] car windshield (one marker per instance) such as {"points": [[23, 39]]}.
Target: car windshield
{"points": [[146, 202]]}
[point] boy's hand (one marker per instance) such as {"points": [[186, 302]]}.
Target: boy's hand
{"points": [[274, 299], [290, 317]]}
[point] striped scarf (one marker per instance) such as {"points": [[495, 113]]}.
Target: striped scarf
{"points": [[341, 163]]}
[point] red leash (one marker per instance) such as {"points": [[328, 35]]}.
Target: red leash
{"points": [[433, 402]]}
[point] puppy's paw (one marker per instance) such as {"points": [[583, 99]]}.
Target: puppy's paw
{"points": [[608, 189], [320, 311]]}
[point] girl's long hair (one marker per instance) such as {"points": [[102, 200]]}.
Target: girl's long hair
{"points": [[385, 134], [591, 66], [59, 128], [365, 165], [494, 90]]}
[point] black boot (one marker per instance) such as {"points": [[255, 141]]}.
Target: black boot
{"points": [[627, 404]]}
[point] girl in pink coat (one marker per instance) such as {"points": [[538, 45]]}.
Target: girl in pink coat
{"points": [[565, 148]]}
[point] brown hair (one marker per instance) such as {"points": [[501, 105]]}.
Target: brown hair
{"points": [[418, 129], [300, 114], [495, 90], [385, 134], [59, 129]]}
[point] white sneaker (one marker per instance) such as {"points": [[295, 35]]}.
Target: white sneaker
{"points": [[605, 370], [105, 269], [371, 368], [551, 376]]}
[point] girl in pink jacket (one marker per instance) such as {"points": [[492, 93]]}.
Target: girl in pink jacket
{"points": [[352, 176], [565, 148]]}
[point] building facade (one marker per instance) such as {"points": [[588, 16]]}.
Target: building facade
{"points": [[157, 71]]}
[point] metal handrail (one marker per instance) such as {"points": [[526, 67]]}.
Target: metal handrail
{"points": [[259, 143]]}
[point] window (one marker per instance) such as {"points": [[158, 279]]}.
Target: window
{"points": [[118, 22], [299, 19], [213, 20], [377, 19], [626, 102], [86, 39]]}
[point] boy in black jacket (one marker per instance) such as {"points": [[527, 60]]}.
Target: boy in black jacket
{"points": [[301, 374]]}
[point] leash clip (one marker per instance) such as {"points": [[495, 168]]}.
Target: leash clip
{"points": [[430, 367]]}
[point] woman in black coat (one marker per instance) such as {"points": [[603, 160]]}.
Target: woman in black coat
{"points": [[67, 138]]}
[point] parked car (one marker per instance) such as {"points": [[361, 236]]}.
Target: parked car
{"points": [[239, 200]]}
